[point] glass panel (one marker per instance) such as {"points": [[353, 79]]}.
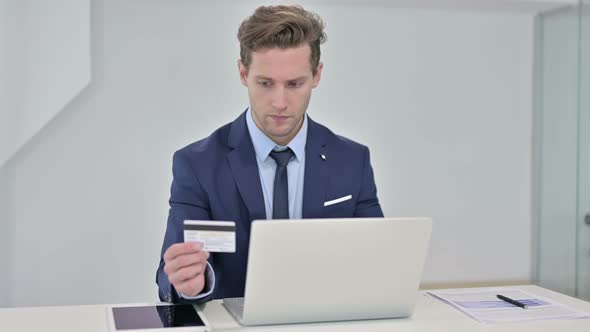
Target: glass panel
{"points": [[557, 153], [583, 275], [563, 154]]}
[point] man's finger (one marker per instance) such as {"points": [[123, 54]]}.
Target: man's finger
{"points": [[181, 249], [187, 260], [186, 274]]}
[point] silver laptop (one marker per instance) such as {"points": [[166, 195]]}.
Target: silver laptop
{"points": [[317, 270]]}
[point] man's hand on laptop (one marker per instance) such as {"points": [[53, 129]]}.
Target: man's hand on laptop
{"points": [[185, 265]]}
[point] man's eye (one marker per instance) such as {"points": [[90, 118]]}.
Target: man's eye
{"points": [[295, 84], [265, 84]]}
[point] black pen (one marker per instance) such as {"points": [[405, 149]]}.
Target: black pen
{"points": [[511, 301]]}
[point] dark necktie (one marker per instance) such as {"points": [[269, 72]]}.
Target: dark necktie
{"points": [[280, 200]]}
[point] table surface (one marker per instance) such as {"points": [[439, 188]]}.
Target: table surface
{"points": [[430, 315]]}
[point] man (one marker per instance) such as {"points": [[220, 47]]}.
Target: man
{"points": [[273, 161]]}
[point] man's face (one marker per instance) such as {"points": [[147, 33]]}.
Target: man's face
{"points": [[279, 83]]}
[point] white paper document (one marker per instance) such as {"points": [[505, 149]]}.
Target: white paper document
{"points": [[483, 305]]}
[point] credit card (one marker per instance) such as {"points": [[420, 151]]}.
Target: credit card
{"points": [[216, 236]]}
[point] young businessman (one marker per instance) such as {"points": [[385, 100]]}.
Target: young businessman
{"points": [[273, 161]]}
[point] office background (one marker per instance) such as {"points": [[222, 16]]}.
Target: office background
{"points": [[443, 97]]}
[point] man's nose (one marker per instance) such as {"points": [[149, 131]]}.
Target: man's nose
{"points": [[279, 99]]}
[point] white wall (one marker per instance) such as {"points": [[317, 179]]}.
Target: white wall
{"points": [[49, 63], [6, 227], [8, 17], [443, 99], [5, 255]]}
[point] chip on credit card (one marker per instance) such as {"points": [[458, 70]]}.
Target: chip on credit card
{"points": [[216, 236]]}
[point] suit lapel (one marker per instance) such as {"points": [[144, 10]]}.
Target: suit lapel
{"points": [[316, 172], [242, 161]]}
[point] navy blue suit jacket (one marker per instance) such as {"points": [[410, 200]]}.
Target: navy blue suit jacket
{"points": [[217, 178]]}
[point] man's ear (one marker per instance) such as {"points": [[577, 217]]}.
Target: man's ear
{"points": [[243, 72], [318, 75]]}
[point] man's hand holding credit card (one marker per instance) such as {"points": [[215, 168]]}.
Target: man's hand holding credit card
{"points": [[185, 264], [216, 236]]}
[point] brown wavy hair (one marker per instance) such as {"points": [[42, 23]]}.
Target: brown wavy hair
{"points": [[282, 27]]}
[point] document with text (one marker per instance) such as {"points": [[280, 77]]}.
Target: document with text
{"points": [[484, 305]]}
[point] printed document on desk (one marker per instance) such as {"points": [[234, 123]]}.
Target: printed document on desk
{"points": [[483, 305]]}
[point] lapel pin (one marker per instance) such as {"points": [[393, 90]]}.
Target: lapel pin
{"points": [[323, 156]]}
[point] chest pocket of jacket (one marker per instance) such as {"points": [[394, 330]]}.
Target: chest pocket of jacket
{"points": [[341, 206]]}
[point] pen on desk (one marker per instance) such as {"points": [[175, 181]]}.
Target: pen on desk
{"points": [[511, 301]]}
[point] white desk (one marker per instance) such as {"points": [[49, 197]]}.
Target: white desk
{"points": [[430, 315]]}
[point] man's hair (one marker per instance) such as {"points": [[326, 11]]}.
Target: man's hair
{"points": [[281, 27]]}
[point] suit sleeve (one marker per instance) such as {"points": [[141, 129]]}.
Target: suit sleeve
{"points": [[188, 200], [368, 203]]}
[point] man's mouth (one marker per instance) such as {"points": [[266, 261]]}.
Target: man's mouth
{"points": [[279, 117]]}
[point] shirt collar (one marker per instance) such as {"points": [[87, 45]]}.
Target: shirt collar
{"points": [[263, 145]]}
